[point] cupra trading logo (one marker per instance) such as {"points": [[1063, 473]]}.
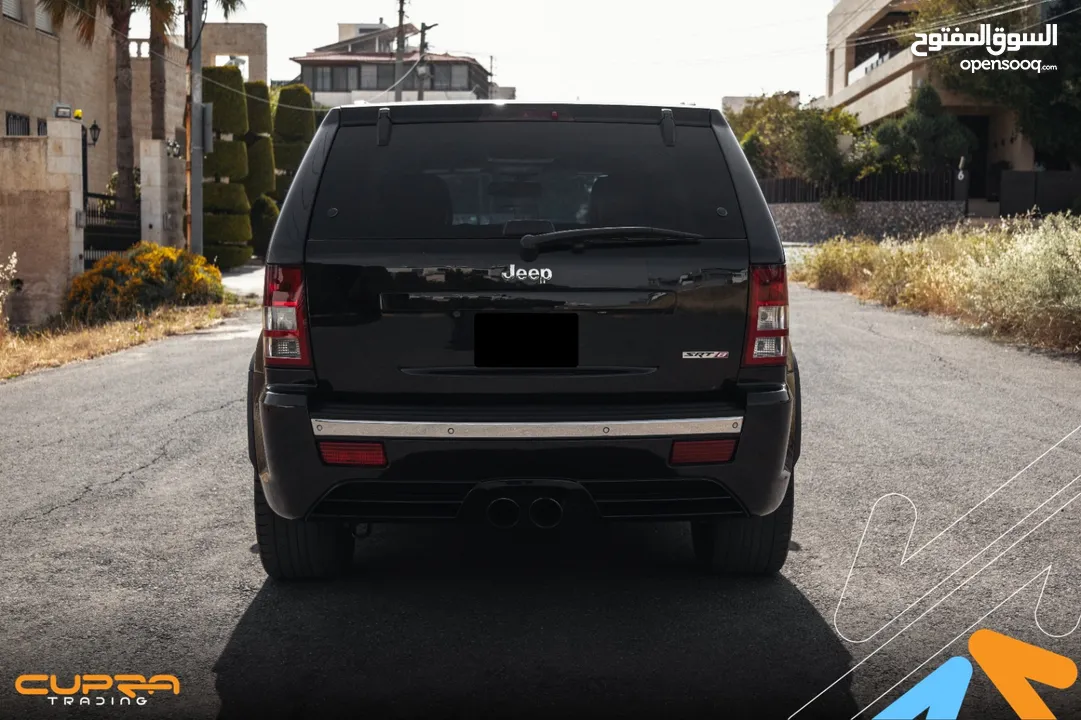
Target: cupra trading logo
{"points": [[93, 689], [1010, 664], [996, 42]]}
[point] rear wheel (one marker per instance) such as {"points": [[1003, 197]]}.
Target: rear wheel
{"points": [[746, 545], [300, 549]]}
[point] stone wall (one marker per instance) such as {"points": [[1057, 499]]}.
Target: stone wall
{"points": [[810, 223], [40, 199]]}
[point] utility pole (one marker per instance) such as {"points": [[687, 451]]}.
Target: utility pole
{"points": [[422, 77], [400, 54], [193, 122]]}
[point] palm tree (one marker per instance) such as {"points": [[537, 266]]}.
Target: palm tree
{"points": [[85, 14], [162, 15]]}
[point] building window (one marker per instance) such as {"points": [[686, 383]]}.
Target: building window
{"points": [[384, 76], [43, 19], [442, 77], [43, 127], [323, 78], [352, 82], [18, 124], [13, 9], [459, 77], [341, 78], [368, 77]]}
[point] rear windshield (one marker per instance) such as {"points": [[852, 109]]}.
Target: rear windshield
{"points": [[468, 180]]}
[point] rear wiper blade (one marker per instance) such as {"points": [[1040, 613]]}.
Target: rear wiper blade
{"points": [[623, 235]]}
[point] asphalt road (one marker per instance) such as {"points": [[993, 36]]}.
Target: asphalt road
{"points": [[125, 498]]}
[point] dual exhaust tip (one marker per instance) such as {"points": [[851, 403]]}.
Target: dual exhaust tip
{"points": [[544, 512]]}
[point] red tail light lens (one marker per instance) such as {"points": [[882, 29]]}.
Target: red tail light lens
{"points": [[285, 329], [767, 326], [699, 452], [353, 453]]}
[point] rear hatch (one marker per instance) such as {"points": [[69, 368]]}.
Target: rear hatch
{"points": [[417, 286]]}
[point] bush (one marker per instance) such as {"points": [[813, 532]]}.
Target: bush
{"points": [[264, 215], [224, 86], [294, 120], [227, 257], [225, 198], [141, 279], [228, 160], [7, 275], [260, 121], [260, 179], [1020, 279]]}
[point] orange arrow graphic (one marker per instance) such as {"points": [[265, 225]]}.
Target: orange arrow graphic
{"points": [[1011, 664]]}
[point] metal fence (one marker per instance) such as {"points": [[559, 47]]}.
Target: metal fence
{"points": [[882, 187]]}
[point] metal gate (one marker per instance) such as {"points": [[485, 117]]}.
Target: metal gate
{"points": [[107, 230]]}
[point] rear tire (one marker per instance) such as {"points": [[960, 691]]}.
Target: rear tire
{"points": [[300, 549], [746, 545]]}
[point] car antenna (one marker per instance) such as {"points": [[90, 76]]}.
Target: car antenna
{"points": [[668, 127], [382, 126]]}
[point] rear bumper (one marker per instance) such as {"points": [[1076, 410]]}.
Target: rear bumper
{"points": [[437, 460]]}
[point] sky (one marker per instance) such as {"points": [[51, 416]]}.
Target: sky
{"points": [[678, 51]]}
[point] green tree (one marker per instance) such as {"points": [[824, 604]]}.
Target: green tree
{"points": [[226, 209], [926, 137], [84, 14], [1047, 103]]}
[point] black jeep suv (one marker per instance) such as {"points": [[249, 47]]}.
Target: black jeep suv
{"points": [[523, 315]]}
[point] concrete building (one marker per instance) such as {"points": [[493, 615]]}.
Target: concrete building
{"points": [[44, 66], [872, 75], [246, 41], [359, 68]]}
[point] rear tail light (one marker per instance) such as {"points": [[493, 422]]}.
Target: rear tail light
{"points": [[767, 327], [699, 452], [285, 329], [367, 454]]}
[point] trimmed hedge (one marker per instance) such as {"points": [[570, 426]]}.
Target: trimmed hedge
{"points": [[227, 257], [227, 230], [294, 120], [264, 215], [261, 179], [229, 160], [287, 156], [224, 86], [260, 121], [225, 198]]}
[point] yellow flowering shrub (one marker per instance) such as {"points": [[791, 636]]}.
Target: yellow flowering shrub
{"points": [[141, 279]]}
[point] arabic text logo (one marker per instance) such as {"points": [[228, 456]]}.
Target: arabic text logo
{"points": [[997, 41], [1009, 664], [94, 689]]}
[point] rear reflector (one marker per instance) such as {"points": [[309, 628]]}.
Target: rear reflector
{"points": [[353, 453], [699, 452]]}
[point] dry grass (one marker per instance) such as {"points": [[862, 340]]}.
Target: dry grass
{"points": [[1018, 280], [23, 352]]}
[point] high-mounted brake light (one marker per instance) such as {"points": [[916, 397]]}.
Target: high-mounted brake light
{"points": [[767, 326], [285, 330]]}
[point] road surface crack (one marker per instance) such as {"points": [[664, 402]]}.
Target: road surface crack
{"points": [[87, 489]]}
